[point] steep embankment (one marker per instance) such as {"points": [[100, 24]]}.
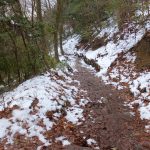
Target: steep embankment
{"points": [[123, 61]]}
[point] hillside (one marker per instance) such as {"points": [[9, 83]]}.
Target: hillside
{"points": [[74, 75]]}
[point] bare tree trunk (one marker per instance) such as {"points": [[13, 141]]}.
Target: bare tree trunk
{"points": [[61, 38], [16, 55], [43, 44], [33, 9], [40, 20], [48, 5], [61, 26], [24, 35], [57, 22], [56, 46]]}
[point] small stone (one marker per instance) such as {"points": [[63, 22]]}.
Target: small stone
{"points": [[135, 105], [143, 90], [146, 144]]}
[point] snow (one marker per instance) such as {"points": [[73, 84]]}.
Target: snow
{"points": [[125, 76], [4, 124], [111, 50], [23, 96], [91, 141], [74, 114], [83, 102], [52, 94], [110, 30], [64, 141], [143, 81], [142, 12], [70, 43], [49, 92], [87, 66], [69, 47], [140, 83], [145, 112]]}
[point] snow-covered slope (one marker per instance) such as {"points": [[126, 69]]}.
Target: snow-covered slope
{"points": [[37, 106], [122, 74], [30, 103]]}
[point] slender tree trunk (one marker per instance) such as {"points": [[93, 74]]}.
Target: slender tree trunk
{"points": [[16, 55], [43, 44], [33, 9], [56, 46], [61, 25], [15, 51], [58, 29], [40, 20], [56, 32], [24, 35], [61, 38]]}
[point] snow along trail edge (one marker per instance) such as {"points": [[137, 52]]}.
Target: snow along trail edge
{"points": [[108, 123], [116, 64]]}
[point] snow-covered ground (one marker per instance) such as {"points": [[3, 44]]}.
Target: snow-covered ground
{"points": [[122, 75], [69, 48], [32, 100], [38, 104]]}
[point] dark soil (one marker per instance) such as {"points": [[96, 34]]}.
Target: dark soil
{"points": [[142, 50], [107, 120]]}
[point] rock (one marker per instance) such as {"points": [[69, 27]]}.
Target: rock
{"points": [[97, 67], [69, 69], [135, 105], [146, 144], [144, 90]]}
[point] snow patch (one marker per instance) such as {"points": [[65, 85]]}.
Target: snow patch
{"points": [[32, 100], [91, 141], [74, 114], [64, 141]]}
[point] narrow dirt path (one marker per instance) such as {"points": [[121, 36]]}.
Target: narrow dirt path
{"points": [[107, 120]]}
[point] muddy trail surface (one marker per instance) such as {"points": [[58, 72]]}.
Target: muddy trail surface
{"points": [[107, 120]]}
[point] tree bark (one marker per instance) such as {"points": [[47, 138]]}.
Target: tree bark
{"points": [[40, 20], [56, 32], [56, 46], [61, 38]]}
